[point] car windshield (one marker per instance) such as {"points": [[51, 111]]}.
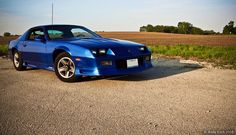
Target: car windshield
{"points": [[69, 32]]}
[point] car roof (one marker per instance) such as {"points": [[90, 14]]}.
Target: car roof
{"points": [[56, 25]]}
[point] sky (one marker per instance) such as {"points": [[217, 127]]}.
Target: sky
{"points": [[16, 16]]}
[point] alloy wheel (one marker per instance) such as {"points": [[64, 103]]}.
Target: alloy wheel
{"points": [[66, 67], [16, 60]]}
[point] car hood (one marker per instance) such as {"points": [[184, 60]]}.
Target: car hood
{"points": [[92, 43], [120, 48]]}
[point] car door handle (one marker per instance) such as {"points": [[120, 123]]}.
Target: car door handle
{"points": [[24, 45]]}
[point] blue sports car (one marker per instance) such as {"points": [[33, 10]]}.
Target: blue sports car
{"points": [[74, 51]]}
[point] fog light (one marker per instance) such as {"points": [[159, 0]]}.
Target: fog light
{"points": [[147, 58], [106, 63]]}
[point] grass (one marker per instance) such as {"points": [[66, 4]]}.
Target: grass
{"points": [[3, 50], [220, 55]]}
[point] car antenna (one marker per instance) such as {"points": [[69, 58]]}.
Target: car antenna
{"points": [[52, 12]]}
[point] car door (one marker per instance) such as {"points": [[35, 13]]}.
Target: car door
{"points": [[34, 49]]}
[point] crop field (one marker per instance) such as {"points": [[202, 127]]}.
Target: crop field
{"points": [[5, 40], [153, 38]]}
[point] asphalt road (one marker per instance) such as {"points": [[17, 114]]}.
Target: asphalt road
{"points": [[172, 98]]}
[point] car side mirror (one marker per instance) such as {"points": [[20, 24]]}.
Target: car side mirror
{"points": [[40, 38]]}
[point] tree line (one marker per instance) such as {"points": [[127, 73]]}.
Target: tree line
{"points": [[187, 28], [8, 34], [182, 28], [229, 29]]}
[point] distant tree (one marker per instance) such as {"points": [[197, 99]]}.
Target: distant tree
{"points": [[166, 29], [6, 34], [174, 29], [231, 26], [197, 31], [226, 30], [170, 29], [150, 28], [159, 28], [184, 27], [143, 29], [234, 31], [209, 32], [229, 29]]}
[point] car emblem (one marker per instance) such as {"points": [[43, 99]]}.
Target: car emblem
{"points": [[129, 51]]}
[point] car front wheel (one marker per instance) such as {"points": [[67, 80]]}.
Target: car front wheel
{"points": [[18, 61], [65, 68]]}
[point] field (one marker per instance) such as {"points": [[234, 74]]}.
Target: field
{"points": [[153, 38], [5, 40]]}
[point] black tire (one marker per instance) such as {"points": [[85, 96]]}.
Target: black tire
{"points": [[61, 56], [19, 65]]}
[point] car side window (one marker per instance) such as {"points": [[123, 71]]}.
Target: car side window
{"points": [[77, 32], [35, 33], [55, 34]]}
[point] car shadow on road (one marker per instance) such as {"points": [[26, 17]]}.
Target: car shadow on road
{"points": [[162, 68]]}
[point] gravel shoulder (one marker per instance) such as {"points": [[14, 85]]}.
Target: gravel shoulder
{"points": [[171, 98]]}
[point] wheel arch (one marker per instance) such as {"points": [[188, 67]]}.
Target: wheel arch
{"points": [[11, 52], [13, 49], [58, 51]]}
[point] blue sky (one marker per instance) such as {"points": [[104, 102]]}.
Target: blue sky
{"points": [[115, 15]]}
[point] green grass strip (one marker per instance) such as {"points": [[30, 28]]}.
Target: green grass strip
{"points": [[225, 55], [3, 49]]}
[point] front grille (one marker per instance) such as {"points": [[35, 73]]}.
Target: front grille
{"points": [[122, 64], [140, 61]]}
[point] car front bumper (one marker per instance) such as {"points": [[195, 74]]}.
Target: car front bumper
{"points": [[92, 67]]}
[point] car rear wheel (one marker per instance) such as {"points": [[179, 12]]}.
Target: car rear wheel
{"points": [[18, 61], [65, 68]]}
